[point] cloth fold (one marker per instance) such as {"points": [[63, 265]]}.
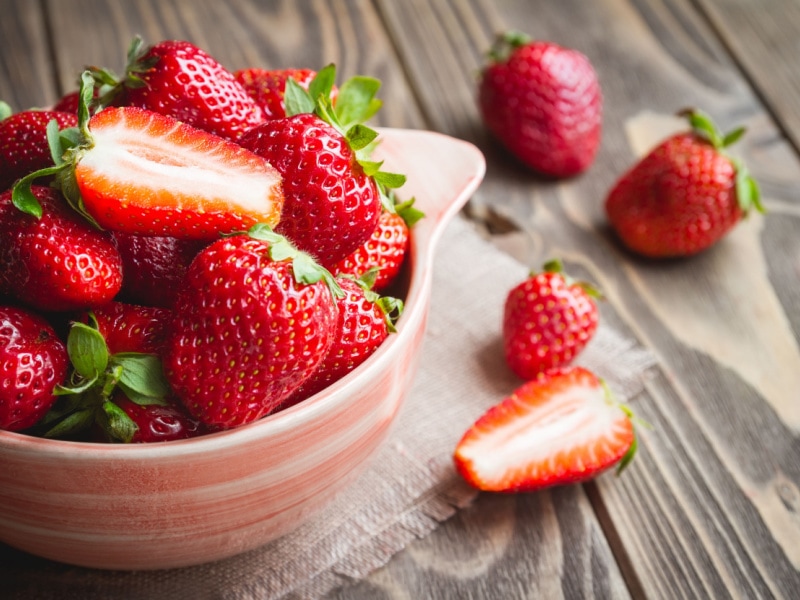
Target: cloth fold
{"points": [[409, 488]]}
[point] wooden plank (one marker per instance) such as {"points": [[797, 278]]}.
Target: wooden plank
{"points": [[762, 37], [711, 505], [26, 75]]}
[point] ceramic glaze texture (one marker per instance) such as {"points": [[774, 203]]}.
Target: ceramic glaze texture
{"points": [[188, 502]]}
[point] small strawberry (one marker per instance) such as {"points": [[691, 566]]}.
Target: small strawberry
{"points": [[562, 427], [105, 377], [386, 248], [178, 79], [685, 195], [267, 87], [543, 102], [158, 422], [364, 321], [70, 102], [132, 328], [33, 361], [57, 262], [23, 141], [252, 321], [154, 267], [140, 172], [333, 195], [547, 321]]}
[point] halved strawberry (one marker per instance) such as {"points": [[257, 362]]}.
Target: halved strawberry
{"points": [[141, 172], [562, 427]]}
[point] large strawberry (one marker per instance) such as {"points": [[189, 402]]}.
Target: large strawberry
{"points": [[543, 102], [154, 267], [141, 172], [685, 195], [562, 427], [268, 87], [178, 79], [547, 321], [23, 141], [57, 262], [364, 321], [386, 248], [333, 195], [33, 361], [253, 320]]}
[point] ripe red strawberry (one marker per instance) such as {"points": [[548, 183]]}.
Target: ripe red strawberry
{"points": [[70, 102], [140, 172], [253, 320], [333, 197], [685, 195], [386, 248], [23, 142], [543, 102], [158, 423], [562, 427], [132, 328], [178, 79], [364, 321], [33, 361], [267, 87], [57, 262], [547, 321], [154, 267]]}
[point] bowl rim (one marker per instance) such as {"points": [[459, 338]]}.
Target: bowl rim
{"points": [[422, 257]]}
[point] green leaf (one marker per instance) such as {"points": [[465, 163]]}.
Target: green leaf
{"points": [[296, 99], [118, 424], [360, 136], [389, 180], [23, 198], [370, 167], [356, 102], [307, 271], [69, 137], [322, 84], [87, 350], [392, 309], [74, 423], [54, 142], [704, 126], [409, 213], [733, 136], [628, 456], [85, 97], [5, 110], [142, 374]]}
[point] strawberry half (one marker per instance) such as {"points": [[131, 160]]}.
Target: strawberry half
{"points": [[560, 428], [141, 172]]}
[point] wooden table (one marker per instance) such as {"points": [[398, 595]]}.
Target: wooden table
{"points": [[712, 506]]}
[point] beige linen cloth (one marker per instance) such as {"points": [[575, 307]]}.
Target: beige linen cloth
{"points": [[409, 488]]}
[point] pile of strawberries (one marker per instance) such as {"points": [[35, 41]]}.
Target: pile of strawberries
{"points": [[543, 102], [185, 249]]}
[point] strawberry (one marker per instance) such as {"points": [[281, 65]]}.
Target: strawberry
{"points": [[178, 79], [106, 375], [157, 422], [543, 102], [364, 321], [33, 361], [267, 87], [140, 172], [70, 102], [562, 427], [132, 328], [385, 249], [57, 262], [333, 196], [547, 321], [23, 141], [253, 319], [685, 195], [154, 267]]}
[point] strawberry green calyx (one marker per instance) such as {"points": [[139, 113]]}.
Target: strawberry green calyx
{"points": [[555, 265], [391, 307], [748, 194], [407, 211], [96, 377], [355, 104], [66, 146], [505, 44], [306, 270], [110, 85], [5, 110], [628, 457]]}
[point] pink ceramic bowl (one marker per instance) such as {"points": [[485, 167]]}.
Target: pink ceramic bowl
{"points": [[188, 502]]}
